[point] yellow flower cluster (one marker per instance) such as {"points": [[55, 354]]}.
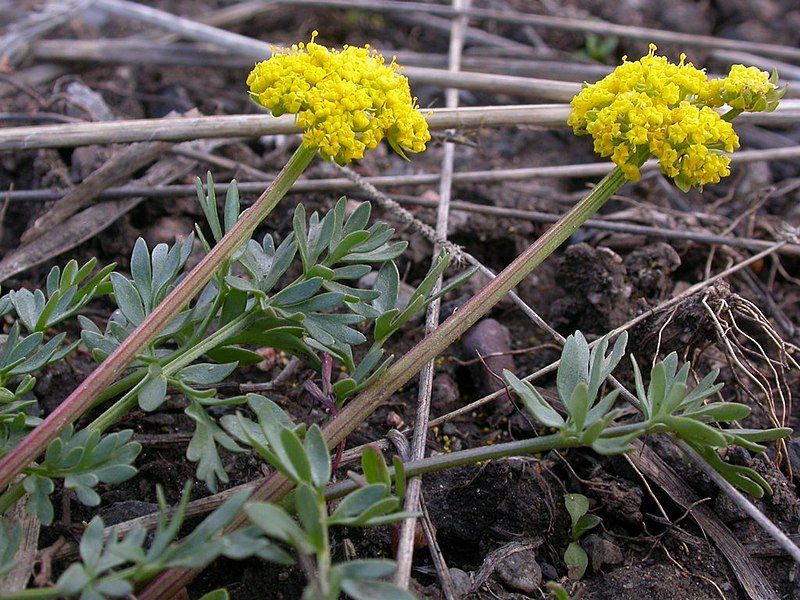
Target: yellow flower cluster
{"points": [[346, 101], [745, 89], [654, 107]]}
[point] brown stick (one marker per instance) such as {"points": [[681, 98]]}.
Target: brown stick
{"points": [[87, 223], [115, 170], [143, 130]]}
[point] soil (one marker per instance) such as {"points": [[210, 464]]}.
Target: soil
{"points": [[646, 547]]}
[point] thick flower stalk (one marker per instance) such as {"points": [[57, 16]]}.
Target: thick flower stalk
{"points": [[652, 107], [346, 101]]}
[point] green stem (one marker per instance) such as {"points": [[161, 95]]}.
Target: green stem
{"points": [[125, 404], [116, 411], [121, 386], [324, 555], [362, 406], [471, 456], [731, 114], [192, 353], [44, 593], [203, 327], [11, 496], [104, 375]]}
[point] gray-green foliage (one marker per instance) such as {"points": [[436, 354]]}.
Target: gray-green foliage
{"points": [[111, 565], [300, 453], [82, 459], [254, 302], [67, 292], [251, 302], [667, 404], [10, 535], [581, 521], [110, 568], [686, 413], [581, 374], [22, 355]]}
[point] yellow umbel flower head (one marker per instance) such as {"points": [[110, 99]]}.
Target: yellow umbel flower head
{"points": [[746, 89], [654, 107], [346, 101]]}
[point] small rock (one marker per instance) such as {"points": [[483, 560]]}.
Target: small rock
{"points": [[444, 394], [86, 160], [270, 356], [172, 98], [520, 572], [127, 510], [757, 176], [450, 429], [394, 420], [549, 572], [419, 248], [167, 229], [462, 582], [601, 551], [484, 339], [83, 99]]}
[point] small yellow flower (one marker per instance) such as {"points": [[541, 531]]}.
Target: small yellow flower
{"points": [[746, 89], [346, 101], [667, 110]]}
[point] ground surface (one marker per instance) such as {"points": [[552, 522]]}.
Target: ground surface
{"points": [[598, 281]]}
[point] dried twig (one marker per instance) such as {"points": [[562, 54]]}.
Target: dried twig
{"points": [[15, 44], [139, 130], [17, 579], [405, 546], [130, 50], [445, 580], [87, 223], [115, 170], [597, 26]]}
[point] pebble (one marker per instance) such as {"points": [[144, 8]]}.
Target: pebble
{"points": [[601, 551], [394, 420], [444, 394], [450, 429], [172, 98], [82, 99], [167, 229], [520, 572], [485, 338], [462, 582], [549, 572]]}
